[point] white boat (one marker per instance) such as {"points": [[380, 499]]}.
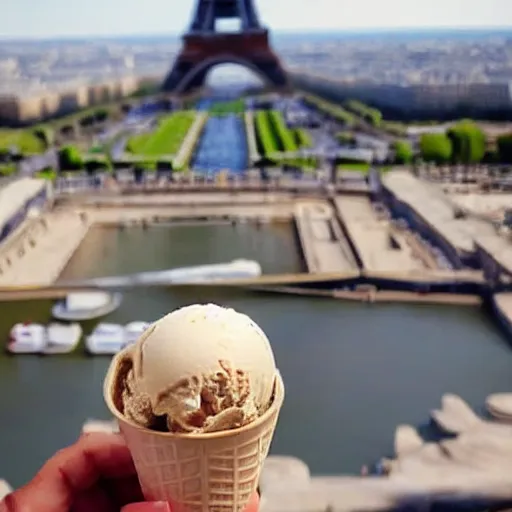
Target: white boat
{"points": [[86, 305], [62, 338], [106, 339], [237, 269], [27, 338], [32, 338], [133, 331]]}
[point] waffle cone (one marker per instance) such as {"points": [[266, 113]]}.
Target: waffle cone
{"points": [[200, 472]]}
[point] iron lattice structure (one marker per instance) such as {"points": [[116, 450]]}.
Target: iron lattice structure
{"points": [[204, 47]]}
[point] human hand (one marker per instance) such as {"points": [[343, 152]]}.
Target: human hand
{"points": [[95, 474]]}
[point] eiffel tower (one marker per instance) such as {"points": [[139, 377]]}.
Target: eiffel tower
{"points": [[204, 47]]}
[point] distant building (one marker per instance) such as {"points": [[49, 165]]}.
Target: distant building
{"points": [[486, 96], [20, 110], [428, 99]]}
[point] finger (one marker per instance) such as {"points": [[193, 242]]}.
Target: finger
{"points": [[162, 506], [72, 471], [94, 499], [155, 506], [254, 503], [125, 490]]}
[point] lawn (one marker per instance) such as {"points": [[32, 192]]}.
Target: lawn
{"points": [[24, 140], [268, 143], [302, 138], [222, 108], [166, 139], [7, 169], [361, 167], [274, 136]]}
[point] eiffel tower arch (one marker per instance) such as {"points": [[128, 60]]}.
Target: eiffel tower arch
{"points": [[204, 47]]}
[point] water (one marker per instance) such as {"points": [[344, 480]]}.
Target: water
{"points": [[352, 371], [222, 146]]}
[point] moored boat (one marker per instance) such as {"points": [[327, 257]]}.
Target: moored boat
{"points": [[32, 338], [133, 331], [26, 338], [62, 338], [106, 339], [86, 305]]}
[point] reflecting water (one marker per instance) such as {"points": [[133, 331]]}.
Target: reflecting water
{"points": [[352, 371], [222, 145]]}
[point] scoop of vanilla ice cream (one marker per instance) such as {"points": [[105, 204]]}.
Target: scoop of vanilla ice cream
{"points": [[204, 367]]}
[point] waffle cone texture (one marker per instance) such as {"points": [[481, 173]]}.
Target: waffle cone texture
{"points": [[215, 472]]}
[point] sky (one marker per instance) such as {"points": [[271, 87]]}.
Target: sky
{"points": [[53, 18]]}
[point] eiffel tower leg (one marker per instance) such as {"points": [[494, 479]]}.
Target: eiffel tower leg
{"points": [[191, 68], [204, 48]]}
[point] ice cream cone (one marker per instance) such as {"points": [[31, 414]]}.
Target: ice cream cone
{"points": [[200, 472]]}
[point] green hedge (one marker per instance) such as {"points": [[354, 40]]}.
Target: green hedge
{"points": [[332, 110], [267, 141], [285, 137], [302, 138], [274, 137], [369, 114]]}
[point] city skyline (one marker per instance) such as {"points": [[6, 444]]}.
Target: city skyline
{"points": [[96, 18]]}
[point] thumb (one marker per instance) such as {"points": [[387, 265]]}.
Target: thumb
{"points": [[153, 506]]}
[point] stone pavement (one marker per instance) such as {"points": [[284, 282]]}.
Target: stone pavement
{"points": [[42, 254], [324, 246]]}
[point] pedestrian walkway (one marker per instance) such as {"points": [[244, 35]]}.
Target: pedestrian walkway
{"points": [[324, 247], [47, 252]]}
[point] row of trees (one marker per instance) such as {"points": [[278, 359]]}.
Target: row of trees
{"points": [[368, 114], [464, 143]]}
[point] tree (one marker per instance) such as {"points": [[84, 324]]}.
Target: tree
{"points": [[87, 121], [68, 130], [45, 135], [468, 142], [101, 115], [5, 155], [126, 108], [504, 144], [138, 173], [436, 147], [95, 165], [403, 152], [70, 158]]}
